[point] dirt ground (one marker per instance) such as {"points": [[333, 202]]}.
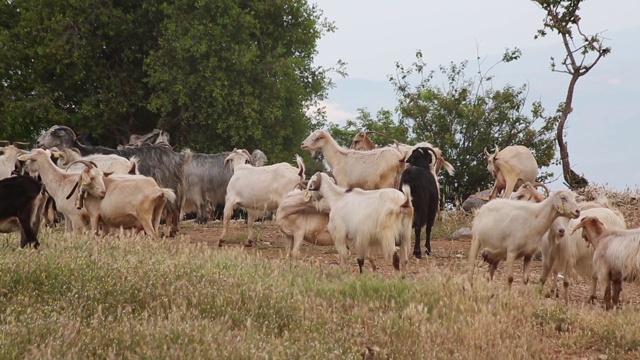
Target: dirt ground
{"points": [[449, 255]]}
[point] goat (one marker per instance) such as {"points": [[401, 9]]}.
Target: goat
{"points": [[424, 193], [257, 189], [569, 253], [506, 230], [60, 185], [21, 208], [110, 163], [362, 142], [128, 201], [616, 257], [528, 192], [438, 161], [364, 220], [163, 164], [510, 167], [368, 170], [300, 218], [206, 180], [9, 159]]}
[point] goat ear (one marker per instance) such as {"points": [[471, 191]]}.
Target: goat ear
{"points": [[579, 226], [85, 178]]}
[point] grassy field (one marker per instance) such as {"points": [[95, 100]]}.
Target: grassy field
{"points": [[79, 297]]}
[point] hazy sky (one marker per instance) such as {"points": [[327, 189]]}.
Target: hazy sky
{"points": [[373, 35]]}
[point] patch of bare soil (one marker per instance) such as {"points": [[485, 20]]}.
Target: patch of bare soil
{"points": [[447, 255]]}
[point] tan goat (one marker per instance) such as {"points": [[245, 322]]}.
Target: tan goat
{"points": [[511, 167]]}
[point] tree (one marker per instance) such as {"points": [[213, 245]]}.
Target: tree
{"points": [[466, 115], [562, 17], [214, 74], [388, 130]]}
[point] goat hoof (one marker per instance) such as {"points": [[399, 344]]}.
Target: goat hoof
{"points": [[221, 243], [418, 255], [248, 243]]}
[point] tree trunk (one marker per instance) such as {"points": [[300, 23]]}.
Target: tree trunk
{"points": [[572, 180]]}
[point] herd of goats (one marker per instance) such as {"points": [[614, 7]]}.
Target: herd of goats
{"points": [[368, 202]]}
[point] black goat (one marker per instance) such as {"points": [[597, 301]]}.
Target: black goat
{"points": [[424, 194], [21, 208], [164, 165]]}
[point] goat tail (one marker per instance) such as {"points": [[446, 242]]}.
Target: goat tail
{"points": [[630, 258], [407, 206], [301, 168], [169, 194]]}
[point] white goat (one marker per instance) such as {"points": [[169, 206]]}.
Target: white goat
{"points": [[61, 185], [508, 229], [9, 159], [301, 218], [257, 189], [570, 254], [108, 163], [368, 170], [616, 257], [130, 202], [364, 220]]}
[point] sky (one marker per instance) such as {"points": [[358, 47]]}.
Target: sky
{"points": [[602, 131]]}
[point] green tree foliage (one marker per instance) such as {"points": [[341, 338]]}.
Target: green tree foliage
{"points": [[74, 62], [387, 129], [464, 115], [214, 74]]}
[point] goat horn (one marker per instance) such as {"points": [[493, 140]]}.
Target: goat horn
{"points": [[86, 163], [6, 142], [546, 189], [16, 143], [73, 190], [497, 149], [65, 128]]}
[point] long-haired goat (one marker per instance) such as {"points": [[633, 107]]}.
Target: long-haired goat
{"points": [[257, 189], [616, 257], [424, 193], [9, 158], [507, 230], [21, 208], [364, 220], [569, 253]]}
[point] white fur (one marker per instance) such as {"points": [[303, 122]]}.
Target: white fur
{"points": [[368, 170], [568, 253], [257, 189], [365, 220], [616, 257], [109, 163], [508, 229], [60, 183]]}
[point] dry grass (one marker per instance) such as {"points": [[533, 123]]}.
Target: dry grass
{"points": [[79, 297]]}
